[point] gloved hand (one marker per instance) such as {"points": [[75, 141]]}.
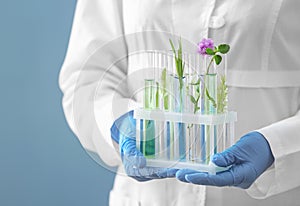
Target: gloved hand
{"points": [[123, 132], [249, 158]]}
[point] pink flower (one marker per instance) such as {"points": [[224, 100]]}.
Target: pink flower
{"points": [[204, 44]]}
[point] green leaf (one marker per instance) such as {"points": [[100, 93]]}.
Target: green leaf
{"points": [[178, 59], [164, 88], [210, 98], [157, 95], [173, 48], [198, 89], [224, 48], [210, 51], [196, 109], [195, 83], [193, 100], [217, 59], [166, 102], [177, 68], [164, 77], [180, 49], [222, 95]]}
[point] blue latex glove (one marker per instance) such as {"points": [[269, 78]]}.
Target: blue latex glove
{"points": [[249, 158], [123, 132]]}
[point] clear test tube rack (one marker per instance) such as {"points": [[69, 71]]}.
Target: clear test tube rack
{"points": [[161, 158]]}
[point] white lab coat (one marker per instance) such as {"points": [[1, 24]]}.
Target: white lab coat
{"points": [[263, 79]]}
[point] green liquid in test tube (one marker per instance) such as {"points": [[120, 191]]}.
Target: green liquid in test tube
{"points": [[148, 143], [211, 88]]}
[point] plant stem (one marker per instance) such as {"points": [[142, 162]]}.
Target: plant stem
{"points": [[209, 65]]}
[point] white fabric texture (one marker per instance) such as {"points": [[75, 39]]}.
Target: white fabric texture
{"points": [[263, 78]]}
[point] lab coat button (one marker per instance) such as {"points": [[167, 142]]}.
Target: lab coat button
{"points": [[216, 22]]}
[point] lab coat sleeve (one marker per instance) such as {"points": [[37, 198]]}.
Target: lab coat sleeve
{"points": [[88, 77], [283, 175]]}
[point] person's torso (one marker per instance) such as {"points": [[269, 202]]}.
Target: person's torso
{"points": [[263, 75]]}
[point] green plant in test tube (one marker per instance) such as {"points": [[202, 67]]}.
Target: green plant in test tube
{"points": [[222, 93], [165, 93], [215, 99], [179, 106], [210, 93], [194, 93], [197, 96], [179, 69], [206, 48]]}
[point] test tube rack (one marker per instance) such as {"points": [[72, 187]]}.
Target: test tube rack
{"points": [[183, 149]]}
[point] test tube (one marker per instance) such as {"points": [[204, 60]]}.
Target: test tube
{"points": [[222, 72], [168, 105], [198, 147], [155, 67], [173, 142], [148, 143], [220, 135], [210, 100], [161, 102], [194, 130], [179, 144]]}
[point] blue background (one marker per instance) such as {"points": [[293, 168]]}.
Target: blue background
{"points": [[41, 161]]}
